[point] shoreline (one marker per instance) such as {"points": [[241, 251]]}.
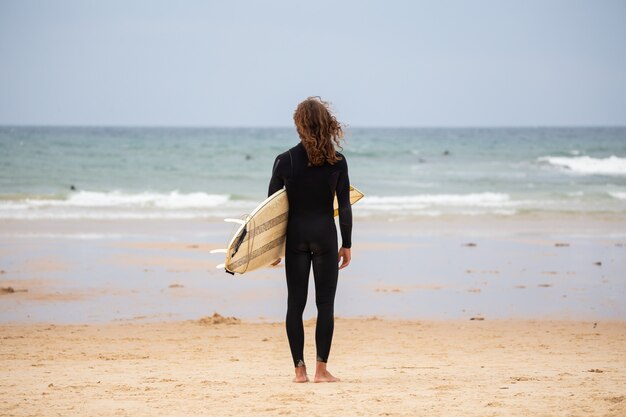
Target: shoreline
{"points": [[612, 225]]}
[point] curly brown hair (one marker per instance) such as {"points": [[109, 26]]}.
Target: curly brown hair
{"points": [[319, 131]]}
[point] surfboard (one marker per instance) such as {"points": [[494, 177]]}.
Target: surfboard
{"points": [[260, 238]]}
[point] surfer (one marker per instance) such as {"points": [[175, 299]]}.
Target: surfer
{"points": [[313, 171]]}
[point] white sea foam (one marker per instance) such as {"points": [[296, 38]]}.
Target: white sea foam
{"points": [[612, 165], [436, 204], [101, 215], [172, 200], [77, 236], [174, 205], [430, 200], [120, 205], [620, 195]]}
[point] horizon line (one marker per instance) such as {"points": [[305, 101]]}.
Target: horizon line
{"points": [[347, 127]]}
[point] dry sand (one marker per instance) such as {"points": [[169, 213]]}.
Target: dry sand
{"points": [[395, 368]]}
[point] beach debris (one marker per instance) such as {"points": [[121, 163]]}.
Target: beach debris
{"points": [[595, 325], [217, 318], [598, 263], [470, 244], [595, 370], [561, 245], [50, 385], [477, 318], [11, 290], [544, 285], [388, 290], [265, 339], [176, 285], [486, 271]]}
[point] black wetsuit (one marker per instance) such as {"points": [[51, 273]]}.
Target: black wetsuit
{"points": [[312, 240]]}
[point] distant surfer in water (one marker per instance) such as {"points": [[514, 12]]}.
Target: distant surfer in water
{"points": [[313, 172]]}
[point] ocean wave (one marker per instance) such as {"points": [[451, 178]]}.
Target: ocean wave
{"points": [[117, 205], [118, 199], [123, 205], [612, 165], [620, 195], [106, 215], [430, 200]]}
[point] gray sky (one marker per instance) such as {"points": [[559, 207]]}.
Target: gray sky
{"points": [[248, 63]]}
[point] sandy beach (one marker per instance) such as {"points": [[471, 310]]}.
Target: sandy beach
{"points": [[487, 271], [395, 368], [467, 316]]}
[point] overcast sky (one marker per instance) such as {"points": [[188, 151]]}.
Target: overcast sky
{"points": [[248, 63]]}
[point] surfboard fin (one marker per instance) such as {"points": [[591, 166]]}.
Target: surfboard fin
{"points": [[239, 221]]}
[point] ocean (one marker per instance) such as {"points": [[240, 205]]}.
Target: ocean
{"points": [[211, 173]]}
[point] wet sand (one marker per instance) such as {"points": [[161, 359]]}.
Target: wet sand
{"points": [[449, 268]]}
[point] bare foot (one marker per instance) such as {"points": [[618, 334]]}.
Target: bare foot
{"points": [[301, 375], [326, 377], [322, 374]]}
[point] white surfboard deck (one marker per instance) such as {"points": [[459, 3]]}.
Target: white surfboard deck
{"points": [[260, 240]]}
